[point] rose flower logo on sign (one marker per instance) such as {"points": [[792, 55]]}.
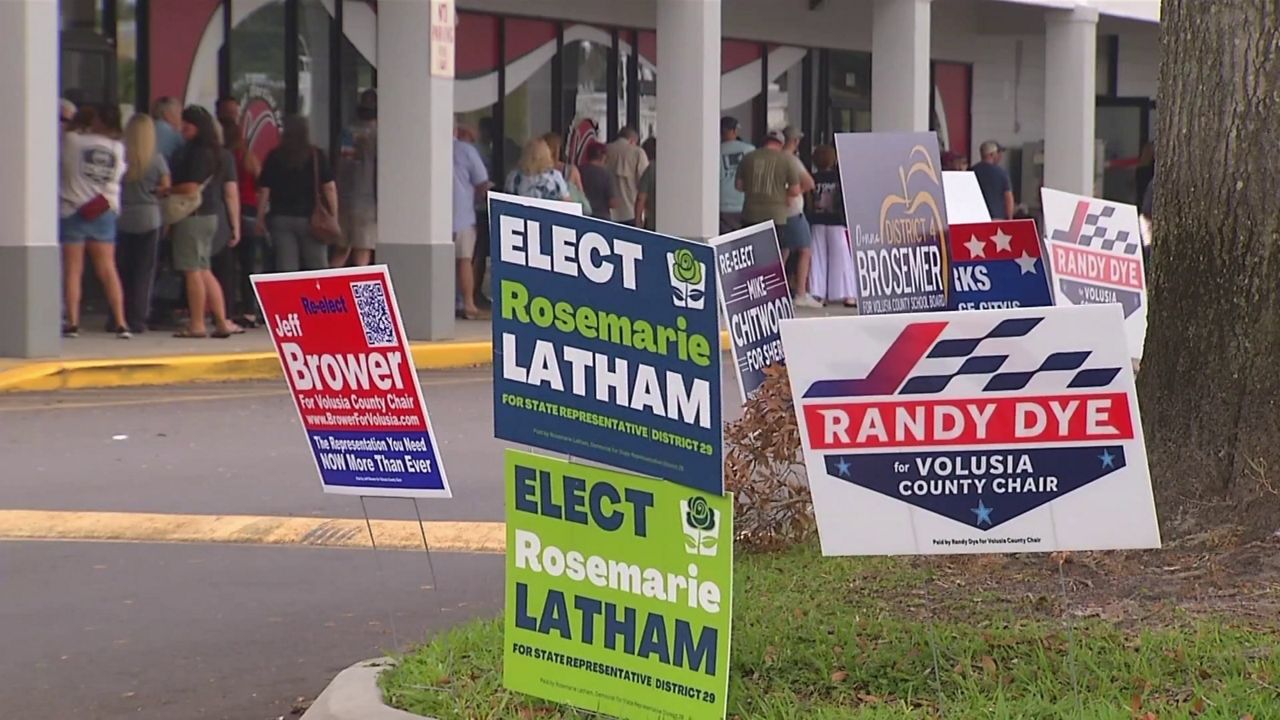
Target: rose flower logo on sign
{"points": [[972, 432]]}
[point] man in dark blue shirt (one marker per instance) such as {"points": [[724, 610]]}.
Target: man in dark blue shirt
{"points": [[994, 181]]}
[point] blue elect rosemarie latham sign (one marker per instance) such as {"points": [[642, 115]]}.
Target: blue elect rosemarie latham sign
{"points": [[753, 286], [897, 216], [606, 344]]}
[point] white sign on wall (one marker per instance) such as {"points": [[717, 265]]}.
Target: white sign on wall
{"points": [[444, 23], [971, 432], [1095, 256], [965, 203]]}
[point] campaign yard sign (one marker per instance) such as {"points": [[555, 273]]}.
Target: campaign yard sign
{"points": [[753, 290], [606, 343], [1095, 256], [965, 203], [996, 265], [972, 432], [897, 215], [619, 591], [350, 370]]}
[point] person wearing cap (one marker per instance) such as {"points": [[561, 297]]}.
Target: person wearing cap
{"points": [[993, 180], [798, 234], [357, 180], [770, 180], [732, 151]]}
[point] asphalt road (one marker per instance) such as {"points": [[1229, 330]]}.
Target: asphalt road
{"points": [[111, 630]]}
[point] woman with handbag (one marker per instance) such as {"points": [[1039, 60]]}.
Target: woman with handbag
{"points": [[146, 180], [91, 167], [297, 194], [201, 172]]}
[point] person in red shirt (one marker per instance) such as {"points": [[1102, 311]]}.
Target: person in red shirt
{"points": [[246, 258]]}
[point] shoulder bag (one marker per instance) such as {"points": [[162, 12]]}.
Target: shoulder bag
{"points": [[324, 223]]}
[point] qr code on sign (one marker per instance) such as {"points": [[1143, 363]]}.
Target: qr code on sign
{"points": [[375, 316]]}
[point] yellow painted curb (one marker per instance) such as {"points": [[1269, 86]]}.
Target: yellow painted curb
{"points": [[181, 369], [476, 537]]}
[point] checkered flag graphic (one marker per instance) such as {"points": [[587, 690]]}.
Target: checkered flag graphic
{"points": [[991, 365], [1094, 233]]}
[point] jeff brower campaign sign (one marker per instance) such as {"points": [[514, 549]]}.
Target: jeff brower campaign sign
{"points": [[619, 591], [972, 432], [606, 343], [346, 358]]}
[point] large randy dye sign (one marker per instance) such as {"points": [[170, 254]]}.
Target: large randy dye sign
{"points": [[971, 432]]}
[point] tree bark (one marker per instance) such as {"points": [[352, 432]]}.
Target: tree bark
{"points": [[1210, 378]]}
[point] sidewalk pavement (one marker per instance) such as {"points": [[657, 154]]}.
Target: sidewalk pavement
{"points": [[100, 360]]}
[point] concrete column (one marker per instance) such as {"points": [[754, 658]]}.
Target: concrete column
{"points": [[689, 118], [1069, 96], [415, 170], [900, 65], [30, 268]]}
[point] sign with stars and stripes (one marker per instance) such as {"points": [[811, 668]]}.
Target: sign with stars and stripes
{"points": [[1095, 256], [755, 297], [996, 265], [971, 432]]}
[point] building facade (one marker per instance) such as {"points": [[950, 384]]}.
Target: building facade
{"points": [[1067, 85]]}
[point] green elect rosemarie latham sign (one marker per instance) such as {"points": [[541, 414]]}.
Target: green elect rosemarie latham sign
{"points": [[619, 591]]}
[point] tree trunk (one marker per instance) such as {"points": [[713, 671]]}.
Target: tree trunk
{"points": [[1210, 378]]}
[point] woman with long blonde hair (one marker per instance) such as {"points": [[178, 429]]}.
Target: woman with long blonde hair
{"points": [[536, 176], [146, 180]]}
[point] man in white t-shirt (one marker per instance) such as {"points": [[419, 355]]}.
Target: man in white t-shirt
{"points": [[626, 162]]}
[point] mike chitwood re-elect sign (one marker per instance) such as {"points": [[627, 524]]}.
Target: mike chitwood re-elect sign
{"points": [[972, 432], [347, 361], [897, 215], [619, 591], [753, 287], [606, 343]]}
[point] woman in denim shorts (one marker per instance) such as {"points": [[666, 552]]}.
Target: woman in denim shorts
{"points": [[91, 166]]}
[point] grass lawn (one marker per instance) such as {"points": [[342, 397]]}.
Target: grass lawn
{"points": [[1150, 636]]}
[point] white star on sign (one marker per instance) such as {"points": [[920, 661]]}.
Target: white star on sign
{"points": [[1026, 263], [1002, 241], [977, 248]]}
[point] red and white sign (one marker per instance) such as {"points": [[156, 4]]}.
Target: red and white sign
{"points": [[349, 367], [444, 25], [971, 431]]}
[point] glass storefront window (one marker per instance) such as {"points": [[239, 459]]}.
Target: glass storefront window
{"points": [[530, 47], [648, 43], [740, 86], [849, 91], [258, 70], [127, 55], [585, 79], [359, 53], [313, 68]]}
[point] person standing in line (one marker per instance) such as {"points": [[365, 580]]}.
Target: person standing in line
{"points": [[470, 183], [250, 253], [227, 109], [227, 242], [732, 151], [598, 183], [994, 182], [646, 209], [831, 276], [167, 114], [146, 180], [90, 168], [201, 170], [536, 175], [799, 238], [287, 194], [626, 162], [570, 172], [358, 185], [66, 113], [768, 179]]}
